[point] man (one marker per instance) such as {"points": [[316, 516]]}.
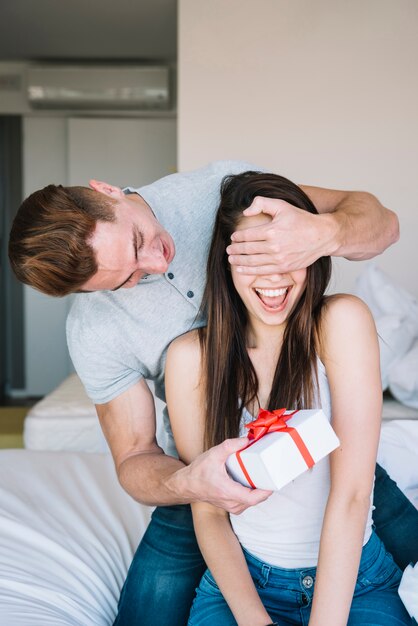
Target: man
{"points": [[140, 256]]}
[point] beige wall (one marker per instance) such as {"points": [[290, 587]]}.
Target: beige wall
{"points": [[324, 92]]}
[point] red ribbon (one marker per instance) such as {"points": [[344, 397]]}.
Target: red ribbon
{"points": [[271, 422]]}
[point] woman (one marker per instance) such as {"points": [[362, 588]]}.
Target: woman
{"points": [[308, 554]]}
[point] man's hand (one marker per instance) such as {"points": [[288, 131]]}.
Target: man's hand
{"points": [[294, 239], [207, 480]]}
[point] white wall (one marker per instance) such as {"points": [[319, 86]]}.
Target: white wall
{"points": [[323, 92]]}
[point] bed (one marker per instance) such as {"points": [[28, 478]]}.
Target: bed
{"points": [[66, 419], [68, 531], [67, 535]]}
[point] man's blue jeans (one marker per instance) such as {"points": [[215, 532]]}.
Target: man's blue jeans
{"points": [[166, 569], [168, 566], [287, 593]]}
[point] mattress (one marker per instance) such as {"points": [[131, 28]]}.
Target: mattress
{"points": [[68, 532], [66, 419]]}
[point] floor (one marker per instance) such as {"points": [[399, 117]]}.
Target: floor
{"points": [[11, 426]]}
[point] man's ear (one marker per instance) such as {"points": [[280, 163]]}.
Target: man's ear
{"points": [[106, 188]]}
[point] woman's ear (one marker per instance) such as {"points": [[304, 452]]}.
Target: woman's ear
{"points": [[106, 188]]}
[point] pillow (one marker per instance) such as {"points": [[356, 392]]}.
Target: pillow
{"points": [[396, 336], [395, 311], [384, 297], [403, 378]]}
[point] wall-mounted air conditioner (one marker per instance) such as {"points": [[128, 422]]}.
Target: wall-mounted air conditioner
{"points": [[98, 87]]}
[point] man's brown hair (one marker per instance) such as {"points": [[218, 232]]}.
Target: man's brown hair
{"points": [[49, 241]]}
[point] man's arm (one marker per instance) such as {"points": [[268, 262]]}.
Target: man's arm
{"points": [[154, 478], [364, 227], [350, 224]]}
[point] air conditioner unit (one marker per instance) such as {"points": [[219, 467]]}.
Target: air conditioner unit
{"points": [[98, 87]]}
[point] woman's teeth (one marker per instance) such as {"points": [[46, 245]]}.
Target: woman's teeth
{"points": [[271, 293]]}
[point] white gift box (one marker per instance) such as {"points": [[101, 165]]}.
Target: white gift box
{"points": [[274, 460]]}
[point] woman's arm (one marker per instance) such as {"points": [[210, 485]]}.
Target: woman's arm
{"points": [[225, 559], [219, 545], [350, 224], [349, 350]]}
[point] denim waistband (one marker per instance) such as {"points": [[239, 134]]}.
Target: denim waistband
{"points": [[260, 569]]}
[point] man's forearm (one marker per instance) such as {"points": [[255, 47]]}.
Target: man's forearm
{"points": [[360, 226], [150, 479], [157, 479]]}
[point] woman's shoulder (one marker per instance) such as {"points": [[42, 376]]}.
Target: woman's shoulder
{"points": [[344, 306], [344, 315], [185, 350]]}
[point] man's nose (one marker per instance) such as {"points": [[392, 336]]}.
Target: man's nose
{"points": [[152, 262]]}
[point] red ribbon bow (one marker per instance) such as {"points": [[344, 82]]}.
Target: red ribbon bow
{"points": [[268, 422], [271, 422]]}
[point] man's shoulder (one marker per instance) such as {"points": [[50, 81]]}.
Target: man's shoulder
{"points": [[89, 320], [101, 353], [86, 307], [223, 168], [206, 172]]}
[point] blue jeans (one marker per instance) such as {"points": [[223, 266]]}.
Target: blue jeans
{"points": [[167, 567], [395, 519], [287, 593]]}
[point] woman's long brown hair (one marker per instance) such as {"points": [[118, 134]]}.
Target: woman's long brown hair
{"points": [[228, 375]]}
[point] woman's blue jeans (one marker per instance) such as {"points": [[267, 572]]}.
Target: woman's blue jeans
{"points": [[167, 567], [287, 593]]}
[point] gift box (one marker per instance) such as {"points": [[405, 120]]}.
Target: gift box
{"points": [[284, 444]]}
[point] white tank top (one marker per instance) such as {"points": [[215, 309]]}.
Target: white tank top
{"points": [[285, 529]]}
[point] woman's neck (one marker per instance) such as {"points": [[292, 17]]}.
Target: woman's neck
{"points": [[264, 346], [263, 337]]}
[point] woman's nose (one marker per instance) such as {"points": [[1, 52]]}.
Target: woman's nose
{"points": [[275, 278]]}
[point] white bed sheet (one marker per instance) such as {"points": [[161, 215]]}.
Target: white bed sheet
{"points": [[68, 532]]}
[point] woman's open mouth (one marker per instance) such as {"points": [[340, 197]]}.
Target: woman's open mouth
{"points": [[273, 300]]}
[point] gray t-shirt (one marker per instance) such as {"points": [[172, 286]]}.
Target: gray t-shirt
{"points": [[117, 338]]}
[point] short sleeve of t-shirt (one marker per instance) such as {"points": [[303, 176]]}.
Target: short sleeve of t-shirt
{"points": [[99, 348]]}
